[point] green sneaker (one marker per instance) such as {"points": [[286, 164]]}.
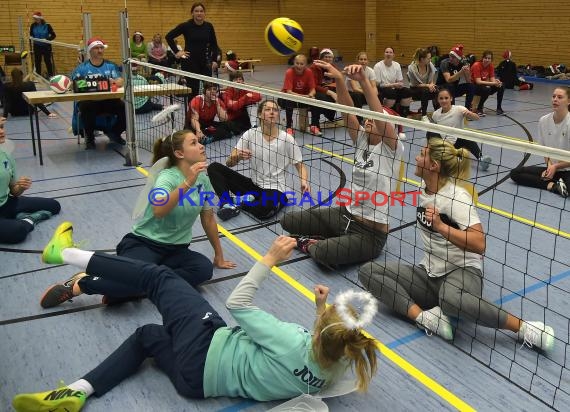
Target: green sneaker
{"points": [[35, 217], [59, 400], [61, 239]]}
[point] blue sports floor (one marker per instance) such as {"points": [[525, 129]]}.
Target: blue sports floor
{"points": [[528, 239]]}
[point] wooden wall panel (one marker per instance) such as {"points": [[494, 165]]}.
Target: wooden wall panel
{"points": [[239, 24], [535, 31]]}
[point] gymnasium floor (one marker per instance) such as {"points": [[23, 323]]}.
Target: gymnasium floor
{"points": [[97, 193]]}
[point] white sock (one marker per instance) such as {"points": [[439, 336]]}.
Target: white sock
{"points": [[76, 257], [82, 385]]}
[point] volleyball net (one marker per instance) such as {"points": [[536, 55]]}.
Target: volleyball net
{"points": [[63, 57], [526, 265]]}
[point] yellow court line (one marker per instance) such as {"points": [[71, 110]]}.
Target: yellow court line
{"points": [[318, 149], [428, 382], [497, 134], [491, 209]]}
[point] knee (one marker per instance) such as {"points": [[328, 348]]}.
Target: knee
{"points": [[54, 207], [515, 175], [215, 168], [19, 233], [287, 221], [368, 271]]}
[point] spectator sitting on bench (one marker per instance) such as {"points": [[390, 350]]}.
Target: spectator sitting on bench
{"points": [[483, 77], [455, 75], [507, 72], [324, 86], [422, 75]]}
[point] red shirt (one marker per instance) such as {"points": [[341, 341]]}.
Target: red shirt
{"points": [[206, 112], [236, 100], [484, 73], [301, 84]]}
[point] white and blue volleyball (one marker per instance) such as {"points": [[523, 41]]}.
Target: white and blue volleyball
{"points": [[284, 36]]}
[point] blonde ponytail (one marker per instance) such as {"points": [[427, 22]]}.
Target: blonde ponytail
{"points": [[335, 342]]}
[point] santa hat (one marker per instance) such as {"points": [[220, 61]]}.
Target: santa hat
{"points": [[325, 52], [95, 42], [457, 51], [507, 54], [37, 15]]}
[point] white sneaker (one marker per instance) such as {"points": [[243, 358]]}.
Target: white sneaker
{"points": [[434, 321], [537, 335], [484, 162], [561, 188]]}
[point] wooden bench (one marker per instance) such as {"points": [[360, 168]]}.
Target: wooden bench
{"points": [[251, 62]]}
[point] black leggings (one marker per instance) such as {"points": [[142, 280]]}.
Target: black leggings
{"points": [[289, 105], [225, 180], [485, 91], [531, 176], [179, 346], [191, 266], [424, 95], [45, 52], [14, 230]]}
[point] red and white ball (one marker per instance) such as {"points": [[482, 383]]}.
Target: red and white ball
{"points": [[60, 83]]}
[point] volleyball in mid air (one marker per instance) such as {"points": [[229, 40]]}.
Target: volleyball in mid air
{"points": [[284, 36], [60, 83]]}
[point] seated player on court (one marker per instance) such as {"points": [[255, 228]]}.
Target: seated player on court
{"points": [[553, 131], [159, 237], [263, 359], [237, 102], [354, 234], [202, 111], [449, 280], [18, 214], [270, 152], [452, 115]]}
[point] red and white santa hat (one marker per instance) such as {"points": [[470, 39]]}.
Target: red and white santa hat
{"points": [[507, 54], [95, 42], [37, 15], [324, 52], [457, 51]]}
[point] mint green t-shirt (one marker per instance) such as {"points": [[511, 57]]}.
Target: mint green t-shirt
{"points": [[7, 175], [176, 227], [138, 80], [264, 359]]}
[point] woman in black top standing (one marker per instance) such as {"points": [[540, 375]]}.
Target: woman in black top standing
{"points": [[201, 53]]}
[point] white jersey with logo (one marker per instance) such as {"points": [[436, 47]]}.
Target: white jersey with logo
{"points": [[455, 117], [270, 159], [375, 168], [555, 135], [456, 208]]}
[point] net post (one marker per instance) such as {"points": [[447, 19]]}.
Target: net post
{"points": [[131, 158], [87, 34]]}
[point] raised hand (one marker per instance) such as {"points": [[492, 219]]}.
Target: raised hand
{"points": [[279, 251]]}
